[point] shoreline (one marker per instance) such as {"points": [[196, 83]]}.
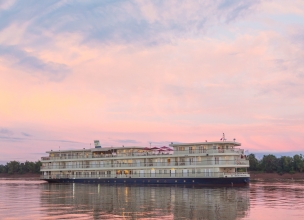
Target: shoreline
{"points": [[272, 176], [253, 176], [20, 176]]}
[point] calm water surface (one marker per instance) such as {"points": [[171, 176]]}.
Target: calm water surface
{"points": [[30, 199]]}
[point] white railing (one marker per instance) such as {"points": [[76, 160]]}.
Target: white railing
{"points": [[146, 175], [238, 174], [150, 153], [148, 164], [210, 151]]}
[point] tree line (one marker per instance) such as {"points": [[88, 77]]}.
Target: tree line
{"points": [[270, 163], [13, 167]]}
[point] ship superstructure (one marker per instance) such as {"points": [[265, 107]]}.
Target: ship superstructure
{"points": [[209, 163]]}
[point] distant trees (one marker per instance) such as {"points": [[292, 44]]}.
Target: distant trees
{"points": [[270, 163], [298, 162], [17, 167], [254, 163]]}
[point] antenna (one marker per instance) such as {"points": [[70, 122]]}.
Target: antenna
{"points": [[223, 138]]}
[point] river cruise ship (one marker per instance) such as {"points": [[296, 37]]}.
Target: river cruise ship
{"points": [[205, 163]]}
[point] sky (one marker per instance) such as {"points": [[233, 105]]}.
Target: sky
{"points": [[138, 72]]}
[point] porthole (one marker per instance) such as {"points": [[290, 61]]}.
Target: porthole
{"points": [[114, 181], [176, 181], [134, 181], [157, 180], [165, 181], [124, 181], [192, 181], [148, 181], [184, 181]]}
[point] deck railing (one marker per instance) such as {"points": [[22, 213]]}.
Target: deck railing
{"points": [[147, 164], [146, 175], [149, 153]]}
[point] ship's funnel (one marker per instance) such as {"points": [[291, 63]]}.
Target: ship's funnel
{"points": [[97, 144]]}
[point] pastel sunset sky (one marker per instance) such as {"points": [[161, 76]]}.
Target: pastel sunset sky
{"points": [[134, 72]]}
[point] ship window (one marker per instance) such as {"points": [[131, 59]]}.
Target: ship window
{"points": [[181, 148], [200, 149], [160, 171]]}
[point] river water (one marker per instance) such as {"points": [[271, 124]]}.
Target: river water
{"points": [[32, 199]]}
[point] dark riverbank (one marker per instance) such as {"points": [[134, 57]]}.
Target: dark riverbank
{"points": [[20, 176], [261, 175], [253, 175]]}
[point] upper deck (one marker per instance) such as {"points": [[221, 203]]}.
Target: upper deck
{"points": [[175, 150]]}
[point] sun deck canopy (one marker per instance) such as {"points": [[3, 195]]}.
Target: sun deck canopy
{"points": [[68, 151], [99, 149], [118, 148], [109, 149]]}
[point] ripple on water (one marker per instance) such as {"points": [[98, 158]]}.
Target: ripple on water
{"points": [[32, 199]]}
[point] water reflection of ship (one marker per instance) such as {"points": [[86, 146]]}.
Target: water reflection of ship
{"points": [[106, 201]]}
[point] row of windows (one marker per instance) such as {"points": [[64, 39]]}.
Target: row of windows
{"points": [[150, 171], [202, 148]]}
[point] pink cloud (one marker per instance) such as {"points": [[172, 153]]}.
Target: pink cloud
{"points": [[192, 89]]}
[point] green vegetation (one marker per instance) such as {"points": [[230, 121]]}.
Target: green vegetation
{"points": [[20, 168], [270, 163]]}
